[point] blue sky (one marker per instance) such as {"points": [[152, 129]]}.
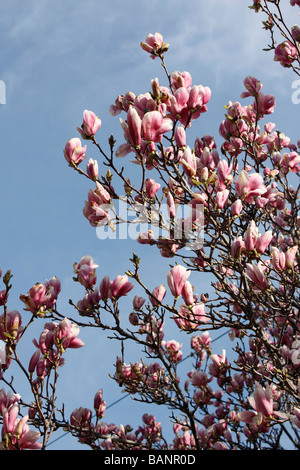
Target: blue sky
{"points": [[59, 58]]}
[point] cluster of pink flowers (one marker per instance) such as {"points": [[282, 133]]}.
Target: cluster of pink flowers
{"points": [[149, 116], [51, 345], [137, 377], [112, 436], [15, 434], [108, 289], [247, 209], [42, 297]]}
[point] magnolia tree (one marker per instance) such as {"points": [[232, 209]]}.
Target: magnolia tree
{"points": [[230, 213]]}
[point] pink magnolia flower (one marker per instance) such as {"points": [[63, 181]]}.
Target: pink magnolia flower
{"points": [[158, 295], [265, 104], [221, 198], [225, 176], [96, 209], [283, 260], [16, 434], [173, 350], [145, 238], [199, 97], [74, 152], [86, 271], [256, 273], [154, 125], [100, 195], [189, 162], [120, 286], [92, 169], [34, 298], [254, 240], [34, 361], [81, 417], [11, 325], [263, 241], [295, 30], [53, 287], [290, 255], [262, 400], [91, 299], [253, 87], [188, 293], [154, 45], [177, 103], [189, 317], [132, 127], [171, 206], [237, 247], [96, 215], [56, 337], [105, 287], [181, 79], [177, 278], [138, 302], [151, 187], [66, 334], [180, 136], [8, 399], [236, 208], [91, 124], [99, 404], [277, 258], [290, 162], [248, 186], [219, 364], [285, 53]]}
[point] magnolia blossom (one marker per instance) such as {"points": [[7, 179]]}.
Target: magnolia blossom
{"points": [[283, 260], [154, 125], [180, 136], [120, 286], [253, 87], [254, 240], [66, 334], [91, 124], [145, 238], [173, 350], [151, 187], [99, 404], [286, 53], [158, 295], [86, 271], [132, 127], [262, 400], [236, 208], [248, 186], [74, 152], [10, 324], [189, 162], [34, 299], [189, 317], [265, 104], [154, 45], [177, 278], [256, 273], [92, 169]]}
